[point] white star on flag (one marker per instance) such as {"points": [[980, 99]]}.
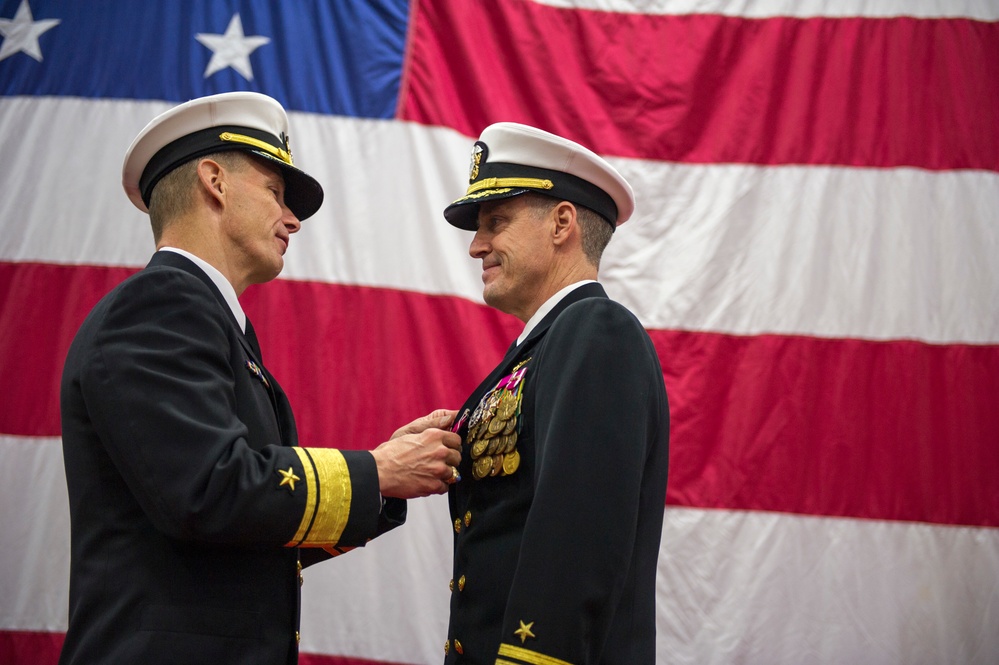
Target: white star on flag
{"points": [[21, 33], [232, 49]]}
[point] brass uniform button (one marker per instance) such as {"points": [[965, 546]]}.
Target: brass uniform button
{"points": [[450, 585], [298, 566], [457, 647], [457, 525], [447, 646], [461, 583], [468, 518], [298, 637], [301, 581]]}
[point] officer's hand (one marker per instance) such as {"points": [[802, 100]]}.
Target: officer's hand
{"points": [[415, 465], [441, 419]]}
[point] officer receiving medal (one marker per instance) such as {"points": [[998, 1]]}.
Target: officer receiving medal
{"points": [[558, 515]]}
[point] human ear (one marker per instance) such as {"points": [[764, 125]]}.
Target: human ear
{"points": [[564, 215], [212, 178]]}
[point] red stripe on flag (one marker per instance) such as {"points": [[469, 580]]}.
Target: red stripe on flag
{"points": [[896, 430], [41, 308], [24, 647], [42, 648], [322, 659], [886, 430], [707, 89]]}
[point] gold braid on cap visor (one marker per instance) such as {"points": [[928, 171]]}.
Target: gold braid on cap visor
{"points": [[494, 183], [283, 155]]}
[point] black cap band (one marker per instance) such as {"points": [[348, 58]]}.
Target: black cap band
{"points": [[199, 144], [514, 179]]}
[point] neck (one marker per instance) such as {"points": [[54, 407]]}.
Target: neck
{"points": [[196, 236], [559, 278]]}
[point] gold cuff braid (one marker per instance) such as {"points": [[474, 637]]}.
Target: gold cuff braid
{"points": [[528, 656], [327, 505]]}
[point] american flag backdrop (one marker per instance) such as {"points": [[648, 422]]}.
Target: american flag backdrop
{"points": [[815, 254]]}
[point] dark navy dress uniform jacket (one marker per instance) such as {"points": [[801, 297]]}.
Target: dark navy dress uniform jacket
{"points": [[556, 562], [189, 497]]}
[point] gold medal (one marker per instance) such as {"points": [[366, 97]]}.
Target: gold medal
{"points": [[478, 448], [496, 445], [482, 467], [510, 426], [497, 465], [507, 406], [496, 426], [511, 462], [511, 443]]}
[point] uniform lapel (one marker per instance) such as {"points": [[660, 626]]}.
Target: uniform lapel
{"points": [[518, 352], [175, 260], [591, 290]]}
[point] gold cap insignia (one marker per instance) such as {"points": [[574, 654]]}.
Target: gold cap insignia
{"points": [[479, 154]]}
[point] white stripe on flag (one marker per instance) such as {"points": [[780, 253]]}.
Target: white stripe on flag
{"points": [[983, 10], [825, 251], [34, 549]]}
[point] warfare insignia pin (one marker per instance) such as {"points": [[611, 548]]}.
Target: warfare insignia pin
{"points": [[257, 373]]}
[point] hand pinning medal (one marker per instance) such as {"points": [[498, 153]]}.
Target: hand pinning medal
{"points": [[492, 430]]}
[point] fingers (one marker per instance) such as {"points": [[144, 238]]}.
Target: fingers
{"points": [[453, 458], [450, 439], [415, 465], [442, 418], [438, 419]]}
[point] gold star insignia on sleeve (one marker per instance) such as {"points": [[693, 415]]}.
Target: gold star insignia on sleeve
{"points": [[288, 478], [524, 631]]}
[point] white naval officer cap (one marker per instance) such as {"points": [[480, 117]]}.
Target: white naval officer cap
{"points": [[510, 159], [247, 121]]}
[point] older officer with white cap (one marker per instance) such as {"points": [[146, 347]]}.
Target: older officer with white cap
{"points": [[558, 516], [192, 507]]}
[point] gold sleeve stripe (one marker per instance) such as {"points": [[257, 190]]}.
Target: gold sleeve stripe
{"points": [[528, 656], [309, 472], [333, 493], [503, 661]]}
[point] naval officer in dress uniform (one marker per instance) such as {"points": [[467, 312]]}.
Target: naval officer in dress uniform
{"points": [[192, 507], [558, 515]]}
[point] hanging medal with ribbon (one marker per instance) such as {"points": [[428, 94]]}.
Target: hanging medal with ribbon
{"points": [[494, 426]]}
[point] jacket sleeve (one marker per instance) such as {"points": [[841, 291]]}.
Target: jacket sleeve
{"points": [[598, 405], [160, 383]]}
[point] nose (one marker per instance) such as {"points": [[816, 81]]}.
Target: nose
{"points": [[290, 221], [479, 246]]}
